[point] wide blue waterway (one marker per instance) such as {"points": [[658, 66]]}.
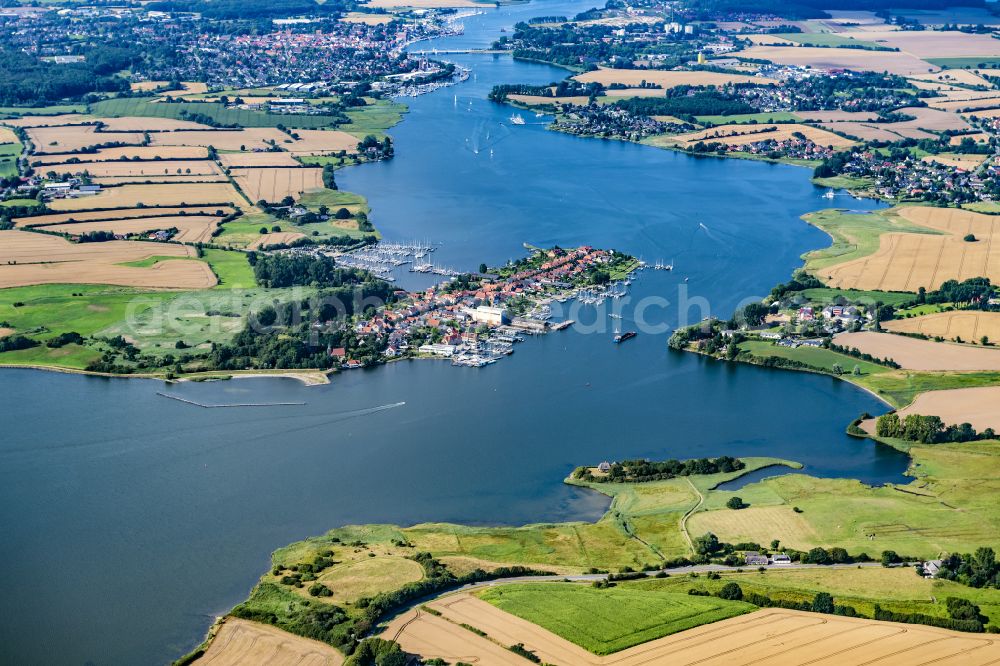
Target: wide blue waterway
{"points": [[130, 520]]}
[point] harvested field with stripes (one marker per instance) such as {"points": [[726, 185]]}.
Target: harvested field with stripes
{"points": [[837, 116], [148, 153], [47, 121], [72, 138], [893, 62], [261, 138], [119, 214], [168, 179], [130, 196], [273, 185], [743, 134], [130, 168], [949, 76], [191, 228], [933, 44], [772, 637], [956, 160], [250, 138], [926, 121], [275, 238], [907, 261], [244, 643], [46, 259], [266, 159], [877, 131], [666, 79], [313, 141], [969, 106], [149, 124], [968, 325], [925, 355]]}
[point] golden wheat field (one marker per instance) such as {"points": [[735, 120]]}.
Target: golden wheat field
{"points": [[119, 214], [978, 137], [367, 19], [907, 261], [968, 325], [956, 160], [924, 355], [313, 142], [930, 85], [191, 228], [187, 88], [131, 196], [169, 179], [966, 105], [771, 637], [244, 643], [73, 138], [146, 86], [961, 76], [837, 116], [666, 79], [273, 185], [275, 238], [738, 135], [145, 124], [28, 258], [249, 138], [838, 58], [130, 168], [136, 153], [46, 121], [978, 406], [264, 159], [877, 131], [933, 43]]}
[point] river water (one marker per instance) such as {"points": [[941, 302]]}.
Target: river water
{"points": [[130, 521]]}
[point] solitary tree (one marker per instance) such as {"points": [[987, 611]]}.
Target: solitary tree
{"points": [[823, 603], [731, 591]]}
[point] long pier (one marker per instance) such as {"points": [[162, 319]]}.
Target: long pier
{"points": [[239, 404]]}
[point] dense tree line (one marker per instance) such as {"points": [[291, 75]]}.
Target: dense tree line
{"points": [[16, 342], [564, 88], [974, 291], [927, 429], [283, 270], [638, 471], [959, 621], [683, 105]]}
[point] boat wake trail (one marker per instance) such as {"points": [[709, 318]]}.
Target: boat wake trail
{"points": [[366, 411]]}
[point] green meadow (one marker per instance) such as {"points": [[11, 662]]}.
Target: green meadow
{"points": [[604, 621]]}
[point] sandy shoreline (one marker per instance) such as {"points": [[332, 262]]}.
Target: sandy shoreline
{"points": [[307, 377]]}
